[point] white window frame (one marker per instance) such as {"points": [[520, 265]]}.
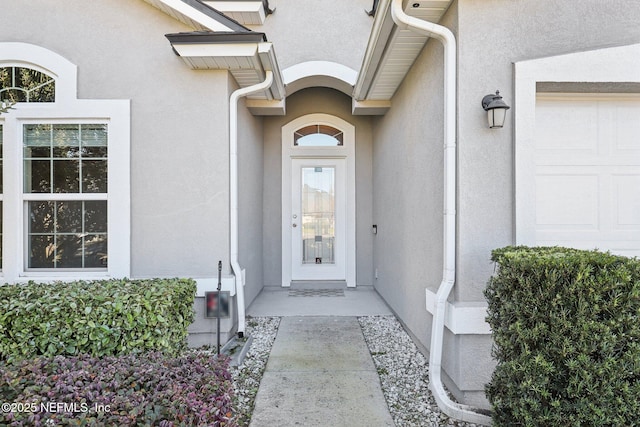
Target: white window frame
{"points": [[66, 109]]}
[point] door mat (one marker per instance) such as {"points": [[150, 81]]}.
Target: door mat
{"points": [[316, 292]]}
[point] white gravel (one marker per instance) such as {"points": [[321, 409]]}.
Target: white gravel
{"points": [[404, 374], [403, 371], [247, 376]]}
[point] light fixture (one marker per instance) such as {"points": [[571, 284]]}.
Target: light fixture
{"points": [[496, 109]]}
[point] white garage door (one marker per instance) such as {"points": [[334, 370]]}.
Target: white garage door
{"points": [[587, 177]]}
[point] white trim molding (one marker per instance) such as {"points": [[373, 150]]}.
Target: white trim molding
{"points": [[615, 65], [462, 318], [319, 73], [65, 109], [346, 152]]}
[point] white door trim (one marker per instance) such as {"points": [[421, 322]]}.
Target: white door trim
{"points": [[346, 152]]}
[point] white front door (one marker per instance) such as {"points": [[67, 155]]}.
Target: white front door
{"points": [[318, 200], [318, 214]]}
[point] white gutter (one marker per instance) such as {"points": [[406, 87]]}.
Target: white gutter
{"points": [[233, 190], [446, 37]]}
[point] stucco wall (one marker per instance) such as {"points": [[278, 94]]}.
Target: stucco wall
{"points": [[408, 192], [313, 30], [307, 101], [408, 209], [511, 32], [179, 213], [407, 248]]}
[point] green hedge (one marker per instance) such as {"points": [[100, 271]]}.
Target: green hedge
{"points": [[566, 327], [99, 318]]}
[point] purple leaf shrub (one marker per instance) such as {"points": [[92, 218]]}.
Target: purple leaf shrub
{"points": [[148, 389]]}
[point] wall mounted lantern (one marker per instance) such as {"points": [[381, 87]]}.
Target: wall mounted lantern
{"points": [[496, 109]]}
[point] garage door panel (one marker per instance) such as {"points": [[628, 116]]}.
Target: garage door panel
{"points": [[627, 128], [626, 204], [567, 201], [580, 133], [587, 172]]}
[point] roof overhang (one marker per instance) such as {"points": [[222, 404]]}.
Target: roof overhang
{"points": [[197, 15], [247, 12], [390, 54], [247, 56]]}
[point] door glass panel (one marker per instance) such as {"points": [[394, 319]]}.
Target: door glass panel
{"points": [[318, 215]]}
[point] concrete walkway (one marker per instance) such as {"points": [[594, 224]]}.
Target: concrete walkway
{"points": [[360, 301], [320, 373]]}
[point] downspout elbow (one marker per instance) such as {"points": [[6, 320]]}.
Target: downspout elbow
{"points": [[430, 29]]}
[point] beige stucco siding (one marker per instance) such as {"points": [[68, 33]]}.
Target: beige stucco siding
{"points": [[511, 32], [179, 203], [312, 30]]}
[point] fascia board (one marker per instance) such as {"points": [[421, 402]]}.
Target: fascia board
{"points": [[218, 50], [383, 27], [235, 6], [194, 10], [268, 61]]}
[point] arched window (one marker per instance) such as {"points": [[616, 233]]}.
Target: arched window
{"points": [[318, 136], [21, 84]]}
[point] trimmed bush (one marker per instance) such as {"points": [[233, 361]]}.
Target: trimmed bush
{"points": [[99, 318], [135, 390], [566, 327]]}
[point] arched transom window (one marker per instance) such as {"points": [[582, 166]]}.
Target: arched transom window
{"points": [[21, 84], [318, 136]]}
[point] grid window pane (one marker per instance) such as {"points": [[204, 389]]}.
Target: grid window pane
{"points": [[94, 176], [66, 176], [41, 217], [41, 252], [37, 176], [36, 152], [95, 250], [69, 251], [68, 217], [67, 234], [37, 135], [65, 158], [66, 135], [95, 216], [94, 135]]}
